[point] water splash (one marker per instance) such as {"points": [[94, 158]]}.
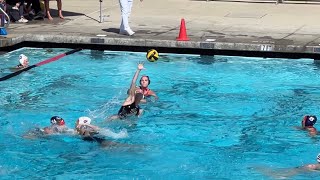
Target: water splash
{"points": [[103, 111], [108, 133]]}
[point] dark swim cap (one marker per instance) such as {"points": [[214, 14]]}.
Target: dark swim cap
{"points": [[57, 120], [310, 120]]}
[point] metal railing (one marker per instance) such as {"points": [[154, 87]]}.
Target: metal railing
{"points": [[3, 24]]}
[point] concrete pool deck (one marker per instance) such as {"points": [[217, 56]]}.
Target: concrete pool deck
{"points": [[213, 25]]}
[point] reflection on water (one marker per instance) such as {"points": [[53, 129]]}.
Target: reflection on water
{"points": [[316, 64], [97, 55]]}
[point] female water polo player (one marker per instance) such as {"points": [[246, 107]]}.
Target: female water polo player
{"points": [[131, 104], [144, 86], [307, 124], [57, 126], [23, 62], [84, 127], [89, 132]]}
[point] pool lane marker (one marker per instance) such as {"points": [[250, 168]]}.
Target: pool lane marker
{"points": [[38, 64]]}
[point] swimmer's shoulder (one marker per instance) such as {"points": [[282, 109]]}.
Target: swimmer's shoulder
{"points": [[151, 92], [311, 128], [55, 129], [47, 130], [312, 167], [86, 130]]}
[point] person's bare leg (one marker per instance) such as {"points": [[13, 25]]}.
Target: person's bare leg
{"points": [[46, 5], [59, 3]]}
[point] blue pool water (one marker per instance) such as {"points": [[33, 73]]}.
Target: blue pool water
{"points": [[216, 118]]}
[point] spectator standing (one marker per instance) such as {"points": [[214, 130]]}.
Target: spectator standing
{"points": [[125, 7], [59, 4]]}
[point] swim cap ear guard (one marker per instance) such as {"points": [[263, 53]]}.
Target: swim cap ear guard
{"points": [[318, 158], [309, 120], [147, 77], [57, 121]]}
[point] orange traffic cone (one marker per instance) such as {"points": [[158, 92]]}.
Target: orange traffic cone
{"points": [[183, 32]]}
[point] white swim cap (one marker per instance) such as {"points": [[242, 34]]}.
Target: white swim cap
{"points": [[318, 158], [22, 58], [84, 120]]}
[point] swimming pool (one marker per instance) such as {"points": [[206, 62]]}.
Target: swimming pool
{"points": [[216, 118]]}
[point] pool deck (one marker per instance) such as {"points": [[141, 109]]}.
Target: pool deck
{"points": [[214, 25]]}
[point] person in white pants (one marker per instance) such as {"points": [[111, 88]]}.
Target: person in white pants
{"points": [[125, 6]]}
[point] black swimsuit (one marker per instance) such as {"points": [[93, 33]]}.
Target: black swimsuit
{"points": [[128, 110], [94, 139], [100, 140]]}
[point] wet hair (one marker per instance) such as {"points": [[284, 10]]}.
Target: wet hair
{"points": [[147, 77], [309, 120]]}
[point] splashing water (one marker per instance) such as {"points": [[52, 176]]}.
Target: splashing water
{"points": [[108, 133], [103, 112]]}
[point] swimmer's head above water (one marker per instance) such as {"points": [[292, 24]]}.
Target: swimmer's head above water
{"points": [[144, 81], [84, 120], [84, 127], [308, 121], [56, 120], [318, 158], [23, 60]]}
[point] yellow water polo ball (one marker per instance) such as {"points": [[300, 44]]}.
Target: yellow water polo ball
{"points": [[152, 55]]}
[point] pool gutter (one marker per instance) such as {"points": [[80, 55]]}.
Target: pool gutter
{"points": [[211, 47]]}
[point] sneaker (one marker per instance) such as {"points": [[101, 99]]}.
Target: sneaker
{"points": [[23, 20], [128, 32]]}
